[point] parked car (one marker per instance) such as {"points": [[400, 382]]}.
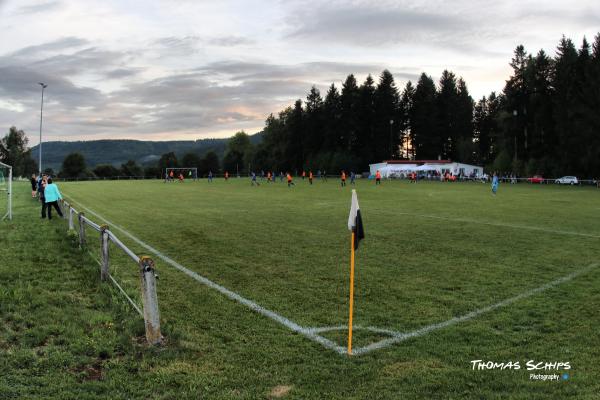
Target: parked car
{"points": [[567, 180], [536, 179]]}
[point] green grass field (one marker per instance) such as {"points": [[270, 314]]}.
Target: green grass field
{"points": [[433, 252]]}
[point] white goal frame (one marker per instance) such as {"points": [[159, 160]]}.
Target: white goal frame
{"points": [[194, 169], [8, 214]]}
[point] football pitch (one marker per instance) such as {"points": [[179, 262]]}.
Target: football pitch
{"points": [[447, 274]]}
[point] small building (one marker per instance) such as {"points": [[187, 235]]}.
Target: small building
{"points": [[401, 168]]}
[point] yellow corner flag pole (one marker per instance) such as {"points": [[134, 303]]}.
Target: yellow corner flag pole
{"points": [[351, 294]]}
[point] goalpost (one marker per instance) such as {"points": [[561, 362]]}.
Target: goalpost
{"points": [[6, 186], [188, 173]]}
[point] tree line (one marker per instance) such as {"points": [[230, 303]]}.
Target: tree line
{"points": [[545, 121], [74, 166], [14, 152]]}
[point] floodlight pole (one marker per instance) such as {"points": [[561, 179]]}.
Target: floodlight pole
{"points": [[391, 145], [44, 86], [515, 114]]}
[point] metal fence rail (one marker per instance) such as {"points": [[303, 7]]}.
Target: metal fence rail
{"points": [[146, 266]]}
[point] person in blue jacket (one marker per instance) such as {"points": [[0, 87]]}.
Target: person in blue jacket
{"points": [[52, 195], [495, 184]]}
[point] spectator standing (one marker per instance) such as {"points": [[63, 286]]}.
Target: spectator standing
{"points": [[41, 189], [33, 186], [52, 195]]}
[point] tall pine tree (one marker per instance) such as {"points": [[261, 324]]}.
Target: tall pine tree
{"points": [[386, 134], [404, 119], [424, 128], [365, 121], [564, 82]]}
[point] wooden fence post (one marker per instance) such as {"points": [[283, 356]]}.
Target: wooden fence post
{"points": [[104, 270], [81, 229], [150, 301], [71, 225]]}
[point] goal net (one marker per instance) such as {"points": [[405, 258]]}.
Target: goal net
{"points": [[5, 191], [173, 174]]}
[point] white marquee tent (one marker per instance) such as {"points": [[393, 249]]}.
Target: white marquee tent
{"points": [[391, 169]]}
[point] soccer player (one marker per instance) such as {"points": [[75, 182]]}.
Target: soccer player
{"points": [[303, 174], [268, 176], [310, 177], [280, 176], [495, 184], [210, 176], [180, 177], [226, 175], [352, 177], [343, 178], [289, 180], [377, 178], [254, 181], [171, 175]]}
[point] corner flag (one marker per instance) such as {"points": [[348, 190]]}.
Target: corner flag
{"points": [[356, 227], [355, 221]]}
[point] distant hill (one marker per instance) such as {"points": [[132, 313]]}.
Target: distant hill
{"points": [[117, 152]]}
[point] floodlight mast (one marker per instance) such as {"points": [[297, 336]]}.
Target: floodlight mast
{"points": [[44, 86], [391, 146]]}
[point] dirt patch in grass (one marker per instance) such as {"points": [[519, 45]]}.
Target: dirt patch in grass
{"points": [[280, 391], [91, 372]]}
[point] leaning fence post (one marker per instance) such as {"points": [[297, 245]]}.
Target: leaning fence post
{"points": [[71, 226], [104, 270], [150, 300], [81, 229]]}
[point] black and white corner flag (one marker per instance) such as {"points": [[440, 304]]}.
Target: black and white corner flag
{"points": [[355, 221]]}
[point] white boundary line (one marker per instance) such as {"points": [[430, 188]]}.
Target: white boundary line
{"points": [[396, 337], [501, 224], [430, 328], [373, 329], [232, 295]]}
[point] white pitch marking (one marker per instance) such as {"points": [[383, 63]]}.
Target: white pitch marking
{"points": [[328, 328], [501, 224], [430, 328], [232, 295], [373, 329], [311, 333]]}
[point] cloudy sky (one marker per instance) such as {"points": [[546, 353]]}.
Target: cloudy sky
{"points": [[191, 69]]}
